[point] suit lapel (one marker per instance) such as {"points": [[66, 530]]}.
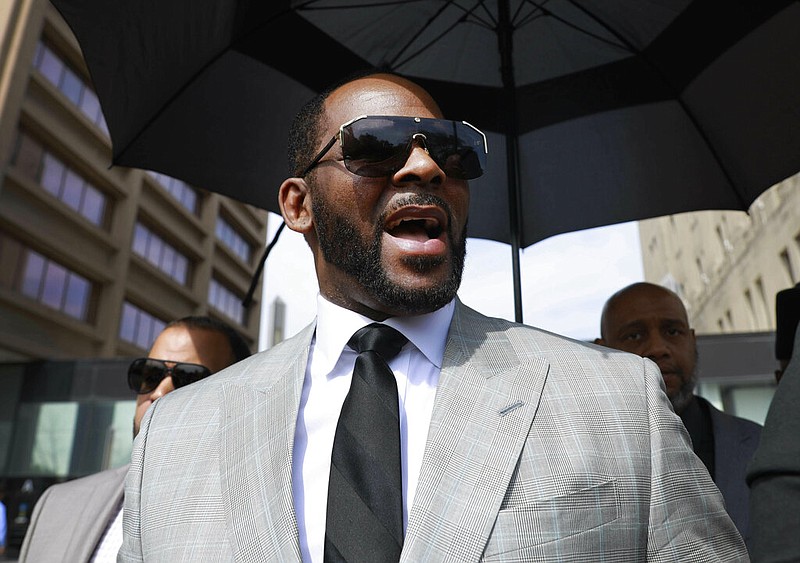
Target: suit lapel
{"points": [[258, 418], [105, 498], [484, 407]]}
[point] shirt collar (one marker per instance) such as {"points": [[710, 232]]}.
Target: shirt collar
{"points": [[335, 326]]}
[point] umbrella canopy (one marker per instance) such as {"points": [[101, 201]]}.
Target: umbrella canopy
{"points": [[597, 111]]}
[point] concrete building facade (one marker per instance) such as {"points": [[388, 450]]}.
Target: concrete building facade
{"points": [[94, 261], [728, 265]]}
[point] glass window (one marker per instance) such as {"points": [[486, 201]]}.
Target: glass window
{"points": [[154, 247], [69, 82], [77, 297], [53, 285], [52, 447], [235, 242], [225, 301], [181, 191], [127, 325], [139, 327], [90, 105], [160, 254], [52, 174], [63, 182], [94, 205], [49, 65], [72, 190], [140, 239], [71, 86], [33, 275]]}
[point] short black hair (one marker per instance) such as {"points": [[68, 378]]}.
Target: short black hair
{"points": [[306, 129], [238, 345]]}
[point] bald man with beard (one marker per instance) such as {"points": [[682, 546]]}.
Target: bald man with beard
{"points": [[651, 321], [506, 442]]}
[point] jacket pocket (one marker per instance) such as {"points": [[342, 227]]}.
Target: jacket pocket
{"points": [[549, 520]]}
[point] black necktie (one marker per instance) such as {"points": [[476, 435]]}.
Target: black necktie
{"points": [[365, 494]]}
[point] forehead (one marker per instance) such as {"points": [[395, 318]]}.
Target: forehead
{"points": [[182, 344], [647, 306], [378, 96]]}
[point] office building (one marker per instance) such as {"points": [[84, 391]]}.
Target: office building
{"points": [[94, 261]]}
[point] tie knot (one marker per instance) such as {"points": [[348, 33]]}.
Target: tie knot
{"points": [[379, 338]]}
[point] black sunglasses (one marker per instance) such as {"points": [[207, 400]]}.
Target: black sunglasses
{"points": [[379, 145], [144, 374]]}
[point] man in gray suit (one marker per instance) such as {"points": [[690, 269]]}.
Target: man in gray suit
{"points": [[80, 521], [517, 444], [651, 321]]}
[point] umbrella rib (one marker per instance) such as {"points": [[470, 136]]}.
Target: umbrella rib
{"points": [[397, 62], [677, 96], [186, 85], [623, 43]]}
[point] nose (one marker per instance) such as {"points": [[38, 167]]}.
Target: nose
{"points": [[164, 387], [656, 347], [419, 166]]}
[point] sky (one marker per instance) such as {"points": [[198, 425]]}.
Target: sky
{"points": [[565, 279]]}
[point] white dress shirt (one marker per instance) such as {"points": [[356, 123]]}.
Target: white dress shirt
{"points": [[106, 551], [327, 381]]}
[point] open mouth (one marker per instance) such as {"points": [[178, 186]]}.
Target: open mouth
{"points": [[416, 229], [418, 224]]}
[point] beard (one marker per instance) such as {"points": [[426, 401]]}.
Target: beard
{"points": [[343, 247], [685, 394]]}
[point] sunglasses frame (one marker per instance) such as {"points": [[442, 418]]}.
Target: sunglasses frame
{"points": [[340, 136], [180, 381]]}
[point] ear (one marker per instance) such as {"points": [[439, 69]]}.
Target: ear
{"points": [[294, 200]]}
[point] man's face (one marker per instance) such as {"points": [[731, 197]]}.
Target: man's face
{"points": [[392, 245], [652, 322], [182, 344]]}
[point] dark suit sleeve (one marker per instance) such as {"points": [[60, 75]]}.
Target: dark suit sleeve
{"points": [[774, 474]]}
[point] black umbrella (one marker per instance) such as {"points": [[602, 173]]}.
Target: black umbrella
{"points": [[597, 111]]}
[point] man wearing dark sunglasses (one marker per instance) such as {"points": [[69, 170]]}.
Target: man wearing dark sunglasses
{"points": [[490, 440], [80, 521]]}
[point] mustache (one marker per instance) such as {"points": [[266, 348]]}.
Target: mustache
{"points": [[417, 199]]}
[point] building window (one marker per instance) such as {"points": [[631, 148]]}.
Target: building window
{"points": [[69, 82], [748, 298], [233, 240], [160, 254], [278, 328], [181, 191], [139, 327], [59, 180], [44, 280], [765, 306], [226, 301], [786, 262]]}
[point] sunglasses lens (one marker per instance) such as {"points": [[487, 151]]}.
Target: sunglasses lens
{"points": [[145, 374], [457, 148], [379, 146], [184, 374], [374, 146]]}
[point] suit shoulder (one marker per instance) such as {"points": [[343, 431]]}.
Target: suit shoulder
{"points": [[723, 418], [86, 484], [530, 340]]}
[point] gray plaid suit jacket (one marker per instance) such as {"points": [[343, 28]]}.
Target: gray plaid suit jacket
{"points": [[69, 519], [540, 448]]}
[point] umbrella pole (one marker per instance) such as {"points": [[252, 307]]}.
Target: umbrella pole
{"points": [[505, 43]]}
